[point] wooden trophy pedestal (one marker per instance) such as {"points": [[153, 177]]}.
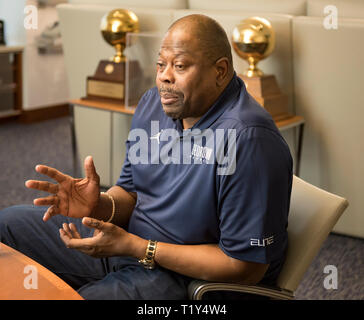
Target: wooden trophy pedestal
{"points": [[266, 91], [108, 82]]}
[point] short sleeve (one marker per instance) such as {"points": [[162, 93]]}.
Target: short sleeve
{"points": [[253, 202]]}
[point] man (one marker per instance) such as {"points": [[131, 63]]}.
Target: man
{"points": [[211, 219]]}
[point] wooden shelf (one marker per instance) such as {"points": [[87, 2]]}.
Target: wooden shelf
{"points": [[283, 121], [103, 105], [9, 87], [287, 121], [11, 70], [9, 113], [11, 49]]}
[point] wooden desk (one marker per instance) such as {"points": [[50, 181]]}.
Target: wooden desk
{"points": [[283, 122], [13, 274]]}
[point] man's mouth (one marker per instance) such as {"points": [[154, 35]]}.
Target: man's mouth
{"points": [[168, 98]]}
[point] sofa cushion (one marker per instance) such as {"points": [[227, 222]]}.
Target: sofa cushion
{"points": [[293, 7], [162, 4], [345, 8]]}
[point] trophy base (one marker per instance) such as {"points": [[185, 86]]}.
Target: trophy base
{"points": [[105, 89], [108, 82], [266, 92]]}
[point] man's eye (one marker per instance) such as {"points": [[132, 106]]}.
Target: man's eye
{"points": [[179, 66], [160, 64]]}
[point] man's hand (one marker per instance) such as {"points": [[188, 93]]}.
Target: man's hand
{"points": [[108, 239], [71, 197]]}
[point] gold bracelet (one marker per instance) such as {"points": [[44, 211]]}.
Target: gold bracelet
{"points": [[113, 206], [148, 261]]}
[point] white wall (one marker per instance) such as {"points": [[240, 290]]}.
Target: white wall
{"points": [[11, 11], [45, 79], [44, 76], [328, 77]]}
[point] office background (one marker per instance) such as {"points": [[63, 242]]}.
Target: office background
{"points": [[319, 69]]}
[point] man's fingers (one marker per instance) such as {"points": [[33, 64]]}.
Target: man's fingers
{"points": [[51, 212], [90, 170], [71, 231], [67, 230], [48, 201], [51, 172], [96, 224], [74, 231], [42, 186], [85, 244]]}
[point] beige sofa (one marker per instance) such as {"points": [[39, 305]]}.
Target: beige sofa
{"points": [[319, 69]]}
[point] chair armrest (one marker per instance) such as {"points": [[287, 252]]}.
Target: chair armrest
{"points": [[197, 288]]}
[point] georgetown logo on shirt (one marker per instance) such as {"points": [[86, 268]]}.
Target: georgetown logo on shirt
{"points": [[201, 153]]}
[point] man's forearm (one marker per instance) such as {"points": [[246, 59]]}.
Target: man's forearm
{"points": [[205, 261], [124, 206]]}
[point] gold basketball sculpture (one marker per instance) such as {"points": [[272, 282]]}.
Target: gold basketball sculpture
{"points": [[109, 80], [253, 40], [114, 27]]}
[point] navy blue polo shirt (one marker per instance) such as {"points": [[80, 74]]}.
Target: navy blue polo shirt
{"points": [[227, 180]]}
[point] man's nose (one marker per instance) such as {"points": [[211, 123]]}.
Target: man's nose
{"points": [[166, 75]]}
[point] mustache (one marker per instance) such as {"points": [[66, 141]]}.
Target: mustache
{"points": [[170, 91]]}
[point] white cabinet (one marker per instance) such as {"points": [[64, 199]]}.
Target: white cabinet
{"points": [[101, 133]]}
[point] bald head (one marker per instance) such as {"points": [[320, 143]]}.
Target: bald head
{"points": [[211, 37]]}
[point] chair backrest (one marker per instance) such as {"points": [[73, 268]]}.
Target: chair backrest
{"points": [[313, 214]]}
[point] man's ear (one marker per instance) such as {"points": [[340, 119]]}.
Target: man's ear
{"points": [[222, 70]]}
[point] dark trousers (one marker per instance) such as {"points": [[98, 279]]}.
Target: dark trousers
{"points": [[120, 278]]}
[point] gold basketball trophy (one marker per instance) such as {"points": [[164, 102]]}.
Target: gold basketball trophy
{"points": [[108, 82], [253, 39]]}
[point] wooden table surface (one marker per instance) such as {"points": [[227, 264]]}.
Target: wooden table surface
{"points": [[16, 272]]}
